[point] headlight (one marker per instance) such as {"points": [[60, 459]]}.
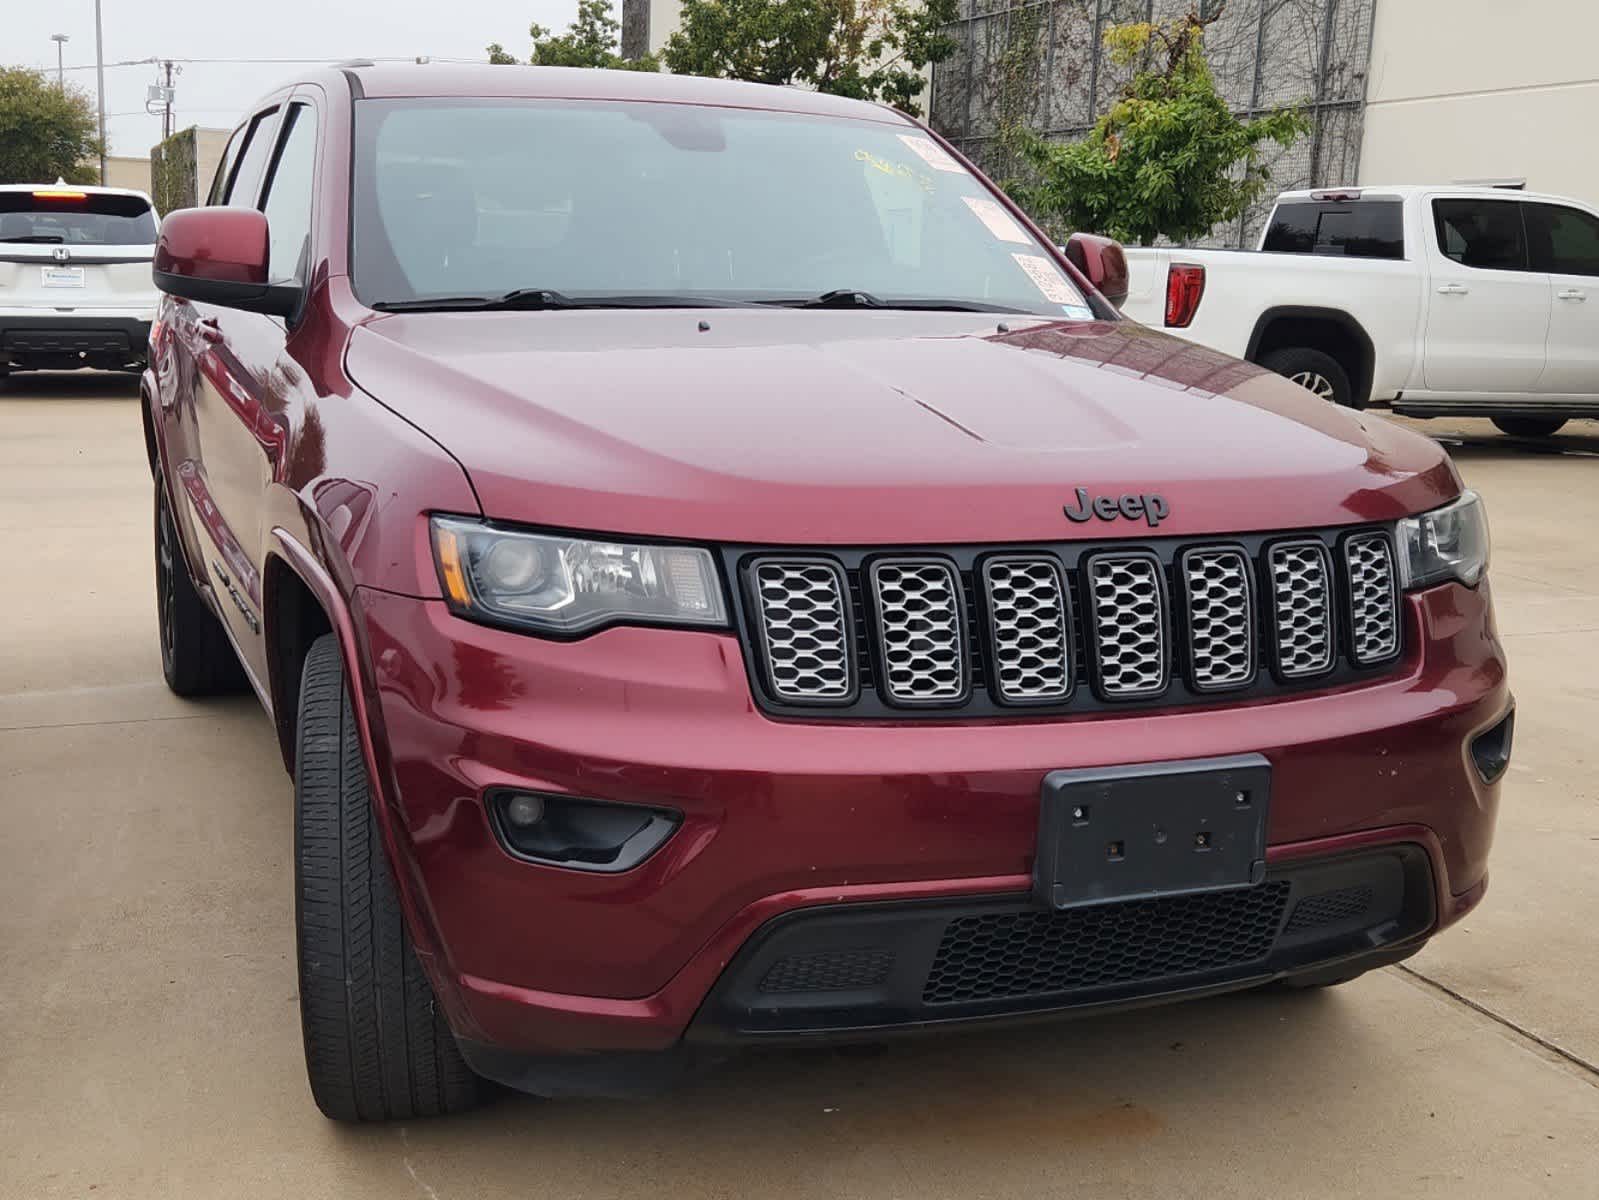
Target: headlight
{"points": [[564, 584], [1447, 543]]}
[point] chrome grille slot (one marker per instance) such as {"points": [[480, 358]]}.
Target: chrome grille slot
{"points": [[1221, 618], [1129, 625], [1302, 610], [1373, 600], [805, 630], [1028, 628], [919, 630]]}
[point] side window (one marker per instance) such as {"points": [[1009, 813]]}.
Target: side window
{"points": [[288, 195], [1485, 234], [1565, 241], [1352, 229], [243, 187], [230, 155]]}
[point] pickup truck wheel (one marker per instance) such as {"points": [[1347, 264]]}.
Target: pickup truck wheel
{"points": [[1529, 426], [1314, 370], [196, 657], [377, 1048]]}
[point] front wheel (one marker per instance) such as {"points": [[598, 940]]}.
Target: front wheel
{"points": [[1529, 426], [377, 1048], [1318, 372]]}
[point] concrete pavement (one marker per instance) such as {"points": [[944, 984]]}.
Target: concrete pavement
{"points": [[149, 1035]]}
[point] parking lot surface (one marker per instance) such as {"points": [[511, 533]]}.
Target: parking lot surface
{"points": [[149, 1034]]}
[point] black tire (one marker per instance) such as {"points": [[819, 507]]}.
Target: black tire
{"points": [[377, 1048], [1316, 371], [1529, 426], [196, 657]]}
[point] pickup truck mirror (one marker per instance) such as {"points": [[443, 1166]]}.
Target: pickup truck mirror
{"points": [[1101, 259], [220, 256]]}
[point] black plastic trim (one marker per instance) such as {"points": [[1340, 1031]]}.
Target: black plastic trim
{"points": [[637, 849]]}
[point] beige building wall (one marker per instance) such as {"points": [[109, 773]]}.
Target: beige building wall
{"points": [[1483, 90], [123, 171], [208, 147]]}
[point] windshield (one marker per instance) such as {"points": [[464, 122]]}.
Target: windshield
{"points": [[478, 198], [64, 216]]}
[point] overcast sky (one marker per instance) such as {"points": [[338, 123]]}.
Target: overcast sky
{"points": [[216, 94]]}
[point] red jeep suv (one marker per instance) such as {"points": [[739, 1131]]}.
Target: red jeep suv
{"points": [[721, 576]]}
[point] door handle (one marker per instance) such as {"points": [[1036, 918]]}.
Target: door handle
{"points": [[1572, 294], [208, 330], [1453, 289]]}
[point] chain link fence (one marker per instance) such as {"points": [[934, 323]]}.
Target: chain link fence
{"points": [[1042, 64]]}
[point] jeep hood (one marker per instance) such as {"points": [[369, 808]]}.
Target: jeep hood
{"points": [[816, 426]]}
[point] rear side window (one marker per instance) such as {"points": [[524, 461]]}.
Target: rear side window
{"points": [[1486, 234], [1350, 229], [1565, 241], [64, 216]]}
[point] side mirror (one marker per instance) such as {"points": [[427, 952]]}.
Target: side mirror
{"points": [[220, 256], [1102, 261]]}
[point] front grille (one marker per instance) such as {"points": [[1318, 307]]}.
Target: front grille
{"points": [[1330, 908], [828, 971], [1301, 589], [981, 630], [804, 628], [1032, 646], [1221, 618], [919, 630], [1373, 599], [1129, 624], [1035, 953]]}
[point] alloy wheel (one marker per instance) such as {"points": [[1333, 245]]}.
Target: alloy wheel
{"points": [[1314, 382]]}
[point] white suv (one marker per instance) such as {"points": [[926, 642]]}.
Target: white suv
{"points": [[75, 285]]}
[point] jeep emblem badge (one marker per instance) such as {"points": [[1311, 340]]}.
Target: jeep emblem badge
{"points": [[1151, 506]]}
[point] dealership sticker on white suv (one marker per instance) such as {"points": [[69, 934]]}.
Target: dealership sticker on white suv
{"points": [[61, 277]]}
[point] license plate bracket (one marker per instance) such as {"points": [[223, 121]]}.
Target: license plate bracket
{"points": [[1154, 829]]}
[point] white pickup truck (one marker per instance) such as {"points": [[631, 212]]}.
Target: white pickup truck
{"points": [[1435, 300]]}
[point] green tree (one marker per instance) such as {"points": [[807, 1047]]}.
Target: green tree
{"points": [[1168, 158], [590, 41], [868, 49], [46, 132]]}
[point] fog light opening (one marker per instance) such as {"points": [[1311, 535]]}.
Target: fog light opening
{"points": [[1490, 750], [570, 831]]}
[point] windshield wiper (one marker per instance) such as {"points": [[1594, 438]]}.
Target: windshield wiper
{"points": [[856, 298], [546, 298], [36, 237]]}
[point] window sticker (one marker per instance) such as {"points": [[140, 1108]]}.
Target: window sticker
{"points": [[931, 153], [999, 222], [1045, 278]]}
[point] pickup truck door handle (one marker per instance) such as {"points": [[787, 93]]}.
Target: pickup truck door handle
{"points": [[1453, 289], [1572, 294], [208, 330]]}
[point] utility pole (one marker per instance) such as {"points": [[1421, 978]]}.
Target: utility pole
{"points": [[60, 39], [166, 112], [99, 76]]}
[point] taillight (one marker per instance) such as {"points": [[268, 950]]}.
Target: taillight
{"points": [[1185, 284]]}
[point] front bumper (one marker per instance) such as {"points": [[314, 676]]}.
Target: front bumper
{"points": [[47, 339], [785, 817]]}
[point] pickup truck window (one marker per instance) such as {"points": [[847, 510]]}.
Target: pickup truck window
{"points": [[1486, 234], [476, 198], [1565, 241], [1352, 229]]}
